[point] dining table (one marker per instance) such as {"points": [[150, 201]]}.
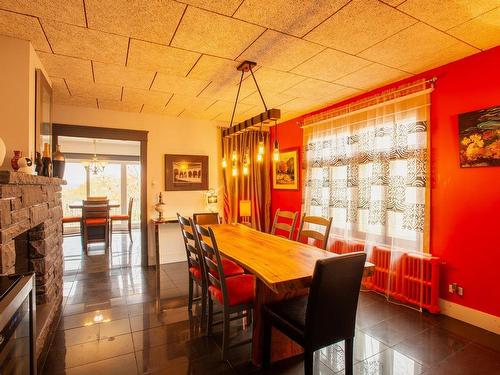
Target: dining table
{"points": [[282, 268]]}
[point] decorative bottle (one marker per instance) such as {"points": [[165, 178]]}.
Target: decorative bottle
{"points": [[58, 162], [46, 161], [15, 159], [38, 164]]}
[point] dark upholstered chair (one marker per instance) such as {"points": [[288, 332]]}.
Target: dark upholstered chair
{"points": [[196, 269], [289, 227], [326, 316], [235, 294], [206, 218], [314, 234]]}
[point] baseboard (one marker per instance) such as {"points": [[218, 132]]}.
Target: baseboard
{"points": [[475, 317]]}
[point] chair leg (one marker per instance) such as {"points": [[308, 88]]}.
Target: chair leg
{"points": [[203, 304], [190, 300], [210, 315], [308, 362], [130, 229], [266, 341], [250, 317], [349, 350], [225, 335]]}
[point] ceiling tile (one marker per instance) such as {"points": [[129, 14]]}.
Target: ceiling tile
{"points": [[210, 68], [359, 25], [178, 85], [95, 90], [152, 98], [213, 34], [85, 43], [117, 105], [280, 51], [424, 40], [143, 19], [273, 100], [153, 108], [372, 76], [59, 87], [151, 56], [179, 103], [273, 81], [222, 106], [77, 101], [294, 17], [67, 67], [23, 27], [445, 55], [330, 65], [226, 91], [121, 75], [445, 14], [313, 88], [303, 105], [68, 11], [482, 32], [393, 3], [226, 7]]}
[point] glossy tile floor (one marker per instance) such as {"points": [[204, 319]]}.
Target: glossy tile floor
{"points": [[111, 325]]}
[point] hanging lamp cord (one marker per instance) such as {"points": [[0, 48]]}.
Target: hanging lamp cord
{"points": [[258, 88], [236, 101]]}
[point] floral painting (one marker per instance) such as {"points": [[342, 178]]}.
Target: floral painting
{"points": [[285, 171], [479, 134]]}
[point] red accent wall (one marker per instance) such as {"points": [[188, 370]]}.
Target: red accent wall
{"points": [[465, 202]]}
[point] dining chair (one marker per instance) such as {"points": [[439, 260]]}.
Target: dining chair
{"points": [[205, 218], [196, 269], [324, 317], [97, 198], [235, 294], [127, 218], [95, 223], [70, 220], [315, 234], [289, 227]]}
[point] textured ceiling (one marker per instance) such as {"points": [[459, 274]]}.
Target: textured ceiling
{"points": [[178, 58]]}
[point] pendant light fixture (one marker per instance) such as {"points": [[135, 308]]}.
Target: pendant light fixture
{"points": [[95, 165], [249, 124], [276, 150]]}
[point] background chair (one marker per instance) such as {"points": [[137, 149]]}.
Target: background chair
{"points": [[97, 198], [206, 218], [326, 316], [95, 223], [127, 218], [289, 228], [314, 234], [71, 219], [235, 294]]}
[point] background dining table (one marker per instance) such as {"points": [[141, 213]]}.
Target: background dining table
{"points": [[282, 269]]}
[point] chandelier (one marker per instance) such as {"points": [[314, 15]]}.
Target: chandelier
{"points": [[253, 123], [95, 165]]}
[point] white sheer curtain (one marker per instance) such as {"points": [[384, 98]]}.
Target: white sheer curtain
{"points": [[369, 171]]}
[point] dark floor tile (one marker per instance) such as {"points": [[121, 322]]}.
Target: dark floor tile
{"points": [[375, 313], [142, 322], [121, 365], [177, 332], [92, 317], [431, 346]]}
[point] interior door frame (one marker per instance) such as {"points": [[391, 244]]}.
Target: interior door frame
{"points": [[123, 135]]}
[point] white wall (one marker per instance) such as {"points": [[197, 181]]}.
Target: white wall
{"points": [[18, 63], [167, 135]]}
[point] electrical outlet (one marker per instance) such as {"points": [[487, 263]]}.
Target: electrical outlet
{"points": [[460, 291], [451, 288]]}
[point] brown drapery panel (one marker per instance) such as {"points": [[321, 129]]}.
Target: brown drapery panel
{"points": [[255, 187]]}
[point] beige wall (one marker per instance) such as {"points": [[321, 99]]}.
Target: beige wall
{"points": [[18, 63], [167, 135]]}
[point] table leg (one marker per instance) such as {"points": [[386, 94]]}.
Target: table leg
{"points": [[281, 346]]}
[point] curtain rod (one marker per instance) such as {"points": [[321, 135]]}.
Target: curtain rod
{"points": [[387, 102]]}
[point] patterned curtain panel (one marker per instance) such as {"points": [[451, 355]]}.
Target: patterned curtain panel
{"points": [[369, 171]]}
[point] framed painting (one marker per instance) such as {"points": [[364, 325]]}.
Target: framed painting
{"points": [[186, 172], [286, 171], [479, 137], [43, 113]]}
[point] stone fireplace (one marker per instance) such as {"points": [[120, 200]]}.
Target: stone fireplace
{"points": [[31, 240]]}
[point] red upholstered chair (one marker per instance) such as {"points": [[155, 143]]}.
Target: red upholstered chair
{"points": [[95, 223], [235, 294], [127, 218], [196, 270], [206, 218]]}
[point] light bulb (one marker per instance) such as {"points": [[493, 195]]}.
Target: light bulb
{"points": [[234, 171], [224, 162], [245, 169], [260, 157], [276, 151], [234, 156], [261, 148]]}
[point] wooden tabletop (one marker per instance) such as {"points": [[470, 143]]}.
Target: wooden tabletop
{"points": [[283, 265]]}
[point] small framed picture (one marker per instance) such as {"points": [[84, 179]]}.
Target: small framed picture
{"points": [[186, 172], [286, 171]]}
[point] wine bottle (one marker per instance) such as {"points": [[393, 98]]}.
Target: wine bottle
{"points": [[46, 161]]}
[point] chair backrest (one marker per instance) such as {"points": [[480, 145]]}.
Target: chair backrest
{"points": [[333, 299], [314, 234], [130, 206], [282, 226], [93, 210], [96, 198], [96, 202], [212, 259], [190, 243], [205, 218]]}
